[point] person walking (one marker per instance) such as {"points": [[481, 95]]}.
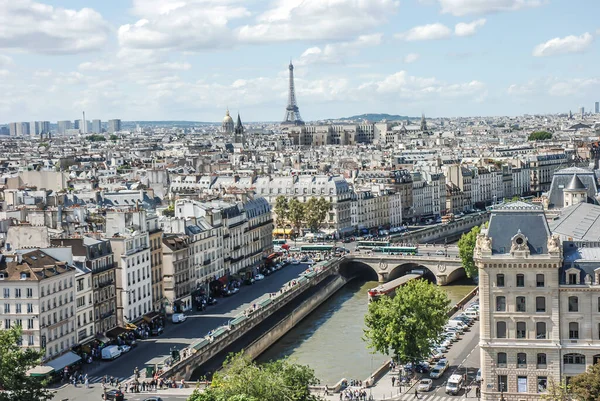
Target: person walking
{"points": [[86, 381], [393, 381], [416, 394]]}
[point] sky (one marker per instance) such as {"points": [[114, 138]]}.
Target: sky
{"points": [[191, 59]]}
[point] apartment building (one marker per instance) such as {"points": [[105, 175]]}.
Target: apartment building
{"points": [[155, 235], [178, 277], [259, 234]]}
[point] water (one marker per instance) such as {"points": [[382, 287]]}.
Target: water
{"points": [[329, 339]]}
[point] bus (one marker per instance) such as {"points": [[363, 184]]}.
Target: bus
{"points": [[399, 250], [279, 241], [371, 244], [316, 248]]}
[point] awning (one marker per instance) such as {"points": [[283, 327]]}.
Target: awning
{"points": [[40, 371], [150, 317], [283, 231], [62, 361], [102, 338], [116, 332], [272, 256], [223, 279]]}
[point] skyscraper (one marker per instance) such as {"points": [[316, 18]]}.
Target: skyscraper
{"points": [[582, 111], [114, 126], [23, 129], [292, 113], [597, 108], [63, 126], [40, 127], [12, 129], [96, 126]]}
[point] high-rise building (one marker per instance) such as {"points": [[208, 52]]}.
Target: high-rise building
{"points": [[23, 129], [582, 111], [96, 127], [4, 131], [76, 124], [597, 108], [114, 126], [63, 126], [40, 127], [12, 129]]}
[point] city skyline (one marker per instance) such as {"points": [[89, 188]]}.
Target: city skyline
{"points": [[189, 60]]}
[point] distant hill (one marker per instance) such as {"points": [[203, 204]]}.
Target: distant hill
{"points": [[378, 117]]}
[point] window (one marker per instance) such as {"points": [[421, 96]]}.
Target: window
{"points": [[30, 340], [7, 293], [572, 279], [540, 280], [501, 359], [7, 324], [29, 308], [502, 383], [541, 361], [500, 304], [540, 330], [500, 329], [521, 360], [522, 384], [540, 304], [17, 293], [520, 280], [573, 304], [30, 324], [574, 359], [521, 330], [6, 308], [542, 384], [574, 330], [18, 308], [500, 280], [30, 293], [521, 304]]}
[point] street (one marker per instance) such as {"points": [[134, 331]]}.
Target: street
{"points": [[156, 349]]}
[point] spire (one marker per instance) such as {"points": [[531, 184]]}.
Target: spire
{"points": [[238, 124], [423, 122], [292, 113], [576, 184]]}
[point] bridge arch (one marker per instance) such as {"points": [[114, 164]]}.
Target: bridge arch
{"points": [[456, 274], [352, 269], [405, 268]]}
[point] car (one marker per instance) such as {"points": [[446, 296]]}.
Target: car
{"points": [[436, 372], [439, 252], [153, 399], [235, 290], [310, 262], [425, 385], [259, 277], [478, 376], [125, 348], [249, 280], [116, 395], [437, 354], [156, 331], [295, 262]]}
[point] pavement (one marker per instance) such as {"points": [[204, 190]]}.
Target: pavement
{"points": [[156, 349], [95, 392], [463, 356]]}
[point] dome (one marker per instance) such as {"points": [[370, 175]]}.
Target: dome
{"points": [[227, 118], [575, 184]]}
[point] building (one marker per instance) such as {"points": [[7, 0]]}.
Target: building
{"points": [[12, 129], [259, 234], [114, 126], [38, 295], [156, 262], [597, 107], [371, 211], [227, 126], [63, 126], [565, 179], [40, 128], [178, 277], [542, 168], [84, 304], [19, 129], [96, 127]]}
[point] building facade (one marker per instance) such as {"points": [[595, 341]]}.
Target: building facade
{"points": [[177, 274]]}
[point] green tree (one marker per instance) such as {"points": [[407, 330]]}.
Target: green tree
{"points": [[96, 138], [466, 246], [409, 323], [540, 136], [296, 214], [243, 380], [169, 211], [557, 392], [281, 210], [14, 364], [315, 211], [586, 386], [113, 137]]}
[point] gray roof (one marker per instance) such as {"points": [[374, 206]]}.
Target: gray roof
{"points": [[509, 219], [580, 222], [575, 184], [562, 179]]}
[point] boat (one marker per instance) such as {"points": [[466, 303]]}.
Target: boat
{"points": [[389, 288]]}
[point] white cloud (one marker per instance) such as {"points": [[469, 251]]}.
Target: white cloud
{"points": [[336, 52], [40, 28], [411, 58], [464, 7], [5, 61], [554, 86], [468, 29], [291, 20], [569, 44], [426, 32]]}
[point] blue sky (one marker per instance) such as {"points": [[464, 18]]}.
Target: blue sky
{"points": [[190, 59]]}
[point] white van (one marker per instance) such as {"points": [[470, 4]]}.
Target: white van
{"points": [[472, 313], [178, 317], [454, 385], [455, 324], [111, 352]]}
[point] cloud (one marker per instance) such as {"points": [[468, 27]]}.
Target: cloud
{"points": [[460, 8], [468, 29], [555, 86], [411, 58], [425, 32], [40, 28], [290, 20], [336, 52], [5, 61], [568, 44]]}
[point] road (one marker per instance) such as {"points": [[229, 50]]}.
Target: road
{"points": [[156, 349], [424, 249]]}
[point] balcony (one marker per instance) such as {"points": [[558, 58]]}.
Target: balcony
{"points": [[206, 262], [106, 283]]}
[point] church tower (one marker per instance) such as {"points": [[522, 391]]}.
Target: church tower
{"points": [[575, 192], [238, 131], [423, 123], [227, 126]]}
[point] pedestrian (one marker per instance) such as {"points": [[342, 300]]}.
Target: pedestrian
{"points": [[416, 394], [86, 382], [393, 381]]}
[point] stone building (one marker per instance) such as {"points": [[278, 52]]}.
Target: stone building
{"points": [[177, 275]]}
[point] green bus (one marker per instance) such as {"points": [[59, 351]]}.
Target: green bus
{"points": [[371, 244], [399, 250], [279, 241], [316, 248]]}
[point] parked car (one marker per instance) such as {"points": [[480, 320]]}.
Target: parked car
{"points": [[295, 262], [153, 399], [436, 372], [178, 318], [259, 277], [234, 290], [249, 280], [125, 348], [439, 252], [156, 331], [425, 385], [116, 395], [478, 376]]}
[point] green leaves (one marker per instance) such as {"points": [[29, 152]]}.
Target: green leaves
{"points": [[296, 214], [466, 246], [408, 324], [586, 386], [243, 380], [14, 364], [281, 210], [316, 210], [540, 136]]}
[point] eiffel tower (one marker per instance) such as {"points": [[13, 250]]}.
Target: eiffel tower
{"points": [[292, 113]]}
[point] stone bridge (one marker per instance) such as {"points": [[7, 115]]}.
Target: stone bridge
{"points": [[383, 267]]}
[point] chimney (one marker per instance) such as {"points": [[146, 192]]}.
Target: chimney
{"points": [[19, 258]]}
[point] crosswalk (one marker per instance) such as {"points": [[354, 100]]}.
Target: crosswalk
{"points": [[433, 397], [98, 379]]}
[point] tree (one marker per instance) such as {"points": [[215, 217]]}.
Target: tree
{"points": [[113, 137], [243, 380], [315, 210], [540, 136], [296, 214], [466, 246], [586, 386], [281, 210], [408, 324], [14, 364], [557, 392]]}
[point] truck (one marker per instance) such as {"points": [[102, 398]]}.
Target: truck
{"points": [[454, 385], [111, 352], [178, 317]]}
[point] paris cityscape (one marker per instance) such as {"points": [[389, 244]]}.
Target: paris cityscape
{"points": [[215, 200]]}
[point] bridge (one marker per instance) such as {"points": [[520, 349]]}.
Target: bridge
{"points": [[440, 269]]}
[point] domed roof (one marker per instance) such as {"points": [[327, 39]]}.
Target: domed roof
{"points": [[227, 118], [576, 184]]}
